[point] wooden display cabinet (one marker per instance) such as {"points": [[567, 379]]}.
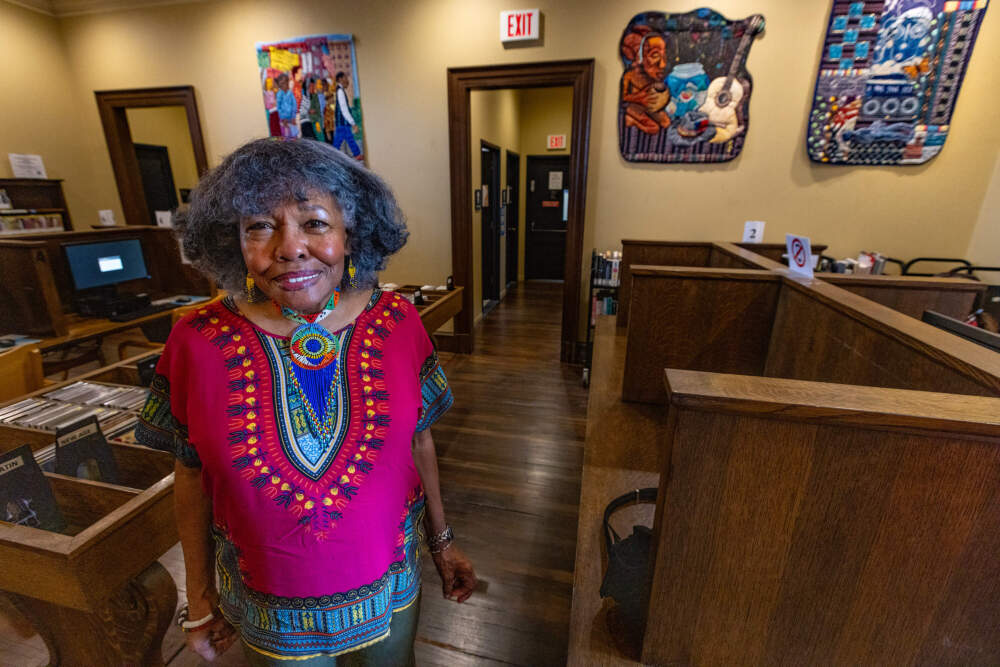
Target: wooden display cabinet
{"points": [[95, 592]]}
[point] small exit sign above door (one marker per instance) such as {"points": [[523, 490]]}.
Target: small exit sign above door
{"points": [[556, 142], [519, 25]]}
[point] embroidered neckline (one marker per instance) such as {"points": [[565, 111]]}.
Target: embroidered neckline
{"points": [[258, 437], [230, 303]]}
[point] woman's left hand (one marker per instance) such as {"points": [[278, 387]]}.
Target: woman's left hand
{"points": [[458, 579]]}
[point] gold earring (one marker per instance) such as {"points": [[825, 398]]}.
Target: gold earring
{"points": [[251, 285], [352, 273]]}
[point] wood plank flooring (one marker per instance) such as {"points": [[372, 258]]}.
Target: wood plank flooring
{"points": [[511, 454]]}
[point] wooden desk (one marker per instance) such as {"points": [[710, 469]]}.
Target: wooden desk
{"points": [[83, 329]]}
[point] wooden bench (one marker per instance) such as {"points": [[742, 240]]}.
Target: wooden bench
{"points": [[815, 523]]}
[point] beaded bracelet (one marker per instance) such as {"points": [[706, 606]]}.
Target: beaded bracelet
{"points": [[441, 541]]}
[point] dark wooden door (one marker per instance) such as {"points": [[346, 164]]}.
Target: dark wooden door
{"points": [[545, 217], [491, 222], [513, 211], [157, 179]]}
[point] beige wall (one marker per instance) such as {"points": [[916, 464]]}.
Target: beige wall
{"points": [[167, 126], [984, 246], [39, 113], [494, 118], [404, 49], [543, 111]]}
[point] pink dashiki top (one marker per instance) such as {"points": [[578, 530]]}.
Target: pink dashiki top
{"points": [[316, 507]]}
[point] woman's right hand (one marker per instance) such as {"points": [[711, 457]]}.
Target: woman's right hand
{"points": [[212, 640]]}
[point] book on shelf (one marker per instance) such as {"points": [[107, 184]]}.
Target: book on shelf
{"points": [[604, 268], [26, 498]]}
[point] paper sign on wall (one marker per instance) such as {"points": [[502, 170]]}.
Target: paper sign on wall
{"points": [[27, 166], [753, 231], [164, 219], [107, 217], [555, 180], [799, 255]]}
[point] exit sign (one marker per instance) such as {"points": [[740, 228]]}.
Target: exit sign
{"points": [[556, 142], [519, 24]]}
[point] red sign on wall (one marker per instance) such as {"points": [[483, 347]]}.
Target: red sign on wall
{"points": [[556, 142], [519, 24]]}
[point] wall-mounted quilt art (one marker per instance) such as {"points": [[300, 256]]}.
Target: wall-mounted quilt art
{"points": [[685, 92], [310, 87], [888, 79]]}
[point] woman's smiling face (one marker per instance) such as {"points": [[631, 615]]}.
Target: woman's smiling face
{"points": [[295, 253]]}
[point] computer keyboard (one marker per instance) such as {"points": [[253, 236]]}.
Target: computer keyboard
{"points": [[142, 312]]}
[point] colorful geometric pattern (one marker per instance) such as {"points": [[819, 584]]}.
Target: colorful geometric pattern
{"points": [[889, 79], [435, 392], [257, 418], [329, 624], [159, 429]]}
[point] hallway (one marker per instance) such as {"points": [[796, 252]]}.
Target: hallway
{"points": [[510, 453]]}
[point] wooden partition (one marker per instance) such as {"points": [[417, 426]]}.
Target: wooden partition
{"points": [[805, 523], [827, 334], [911, 295], [766, 323], [29, 299], [696, 318]]}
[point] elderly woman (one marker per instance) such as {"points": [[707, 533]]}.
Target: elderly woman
{"points": [[299, 411]]}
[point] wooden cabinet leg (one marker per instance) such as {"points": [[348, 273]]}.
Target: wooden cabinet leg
{"points": [[127, 629]]}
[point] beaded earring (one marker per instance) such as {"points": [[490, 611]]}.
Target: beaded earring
{"points": [[251, 287], [352, 273]]}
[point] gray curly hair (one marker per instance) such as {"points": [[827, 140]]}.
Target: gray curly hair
{"points": [[264, 173]]}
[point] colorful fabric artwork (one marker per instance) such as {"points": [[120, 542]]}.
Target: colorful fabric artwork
{"points": [[889, 78], [685, 91], [311, 90]]}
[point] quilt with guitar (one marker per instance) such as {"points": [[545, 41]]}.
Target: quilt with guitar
{"points": [[889, 78], [685, 90]]}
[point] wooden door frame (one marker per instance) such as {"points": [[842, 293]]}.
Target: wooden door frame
{"points": [[494, 197], [461, 81], [112, 105], [517, 212]]}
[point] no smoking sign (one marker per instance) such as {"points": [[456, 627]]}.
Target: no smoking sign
{"points": [[799, 254]]}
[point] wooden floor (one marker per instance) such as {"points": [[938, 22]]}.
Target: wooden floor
{"points": [[510, 453]]}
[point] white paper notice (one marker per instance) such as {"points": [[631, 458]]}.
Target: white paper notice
{"points": [[27, 166], [107, 217], [800, 258], [753, 231], [164, 219], [555, 180]]}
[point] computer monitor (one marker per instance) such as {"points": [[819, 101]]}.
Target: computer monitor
{"points": [[987, 339], [105, 263]]}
